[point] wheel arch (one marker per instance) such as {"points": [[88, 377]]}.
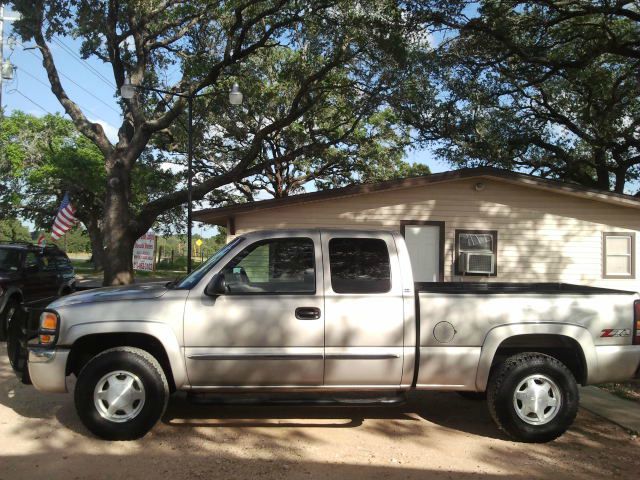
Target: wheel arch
{"points": [[87, 340], [570, 344], [13, 294]]}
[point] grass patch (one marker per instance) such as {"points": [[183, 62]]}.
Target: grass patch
{"points": [[628, 390], [83, 267]]}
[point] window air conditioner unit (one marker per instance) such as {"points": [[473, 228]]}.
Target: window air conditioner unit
{"points": [[471, 262]]}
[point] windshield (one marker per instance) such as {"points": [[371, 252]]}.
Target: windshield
{"points": [[194, 277], [9, 260]]}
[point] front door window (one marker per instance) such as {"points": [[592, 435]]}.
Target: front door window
{"points": [[283, 265]]}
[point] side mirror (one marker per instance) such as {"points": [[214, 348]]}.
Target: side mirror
{"points": [[217, 286]]}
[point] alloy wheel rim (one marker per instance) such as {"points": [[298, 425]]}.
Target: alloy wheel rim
{"points": [[119, 396], [537, 399]]}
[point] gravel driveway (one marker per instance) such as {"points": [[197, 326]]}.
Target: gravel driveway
{"points": [[434, 435]]}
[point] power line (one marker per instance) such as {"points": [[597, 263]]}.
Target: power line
{"points": [[35, 103], [62, 74], [82, 61], [89, 93], [77, 58], [43, 83]]}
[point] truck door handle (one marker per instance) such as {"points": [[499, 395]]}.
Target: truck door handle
{"points": [[307, 313]]}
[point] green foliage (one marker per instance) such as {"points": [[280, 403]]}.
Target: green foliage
{"points": [[12, 229], [550, 88], [316, 77], [76, 240], [48, 157], [44, 157], [343, 138]]}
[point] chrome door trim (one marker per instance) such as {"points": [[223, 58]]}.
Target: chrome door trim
{"points": [[361, 356], [255, 356]]}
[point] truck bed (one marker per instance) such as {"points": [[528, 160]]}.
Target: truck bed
{"points": [[462, 325]]}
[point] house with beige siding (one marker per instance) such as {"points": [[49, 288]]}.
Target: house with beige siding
{"points": [[474, 225]]}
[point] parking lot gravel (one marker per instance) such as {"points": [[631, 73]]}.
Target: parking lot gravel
{"points": [[433, 435]]}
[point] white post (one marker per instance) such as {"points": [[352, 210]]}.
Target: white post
{"points": [[1, 49], [2, 20]]}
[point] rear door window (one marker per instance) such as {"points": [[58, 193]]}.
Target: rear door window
{"points": [[31, 262], [49, 262], [359, 265]]}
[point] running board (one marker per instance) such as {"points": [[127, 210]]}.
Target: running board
{"points": [[293, 399]]}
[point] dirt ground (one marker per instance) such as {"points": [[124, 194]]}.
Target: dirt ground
{"points": [[434, 435]]}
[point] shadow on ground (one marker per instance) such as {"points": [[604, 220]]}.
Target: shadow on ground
{"points": [[434, 435]]}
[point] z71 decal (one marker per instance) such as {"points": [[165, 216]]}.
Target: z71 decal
{"points": [[616, 332]]}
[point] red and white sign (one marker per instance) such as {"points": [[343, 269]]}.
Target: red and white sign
{"points": [[144, 251]]}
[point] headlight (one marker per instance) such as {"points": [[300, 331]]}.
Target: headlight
{"points": [[49, 325]]}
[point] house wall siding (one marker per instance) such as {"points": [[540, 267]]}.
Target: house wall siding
{"points": [[542, 236]]}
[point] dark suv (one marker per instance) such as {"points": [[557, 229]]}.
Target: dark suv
{"points": [[31, 275]]}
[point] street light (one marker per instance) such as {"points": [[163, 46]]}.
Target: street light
{"points": [[128, 91], [235, 95]]}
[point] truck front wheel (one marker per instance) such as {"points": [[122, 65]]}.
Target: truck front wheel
{"points": [[121, 393], [533, 397]]}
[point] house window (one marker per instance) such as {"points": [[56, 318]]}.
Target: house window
{"points": [[476, 252], [618, 255]]}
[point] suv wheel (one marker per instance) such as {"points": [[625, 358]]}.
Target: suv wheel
{"points": [[121, 393], [16, 350], [533, 397], [10, 310]]}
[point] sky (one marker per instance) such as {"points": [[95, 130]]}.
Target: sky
{"points": [[90, 84]]}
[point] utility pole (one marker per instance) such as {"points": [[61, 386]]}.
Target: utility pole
{"points": [[2, 63], [1, 50]]}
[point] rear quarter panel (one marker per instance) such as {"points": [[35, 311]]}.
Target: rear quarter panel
{"points": [[478, 323]]}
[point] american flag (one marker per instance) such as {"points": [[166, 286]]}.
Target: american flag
{"points": [[64, 219]]}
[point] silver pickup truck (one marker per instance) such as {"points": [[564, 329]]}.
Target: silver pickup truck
{"points": [[329, 313]]}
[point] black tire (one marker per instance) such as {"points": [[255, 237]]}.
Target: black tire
{"points": [[5, 317], [502, 388], [16, 350], [475, 396], [149, 372]]}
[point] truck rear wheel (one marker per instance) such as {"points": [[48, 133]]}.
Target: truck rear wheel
{"points": [[533, 397], [121, 393]]}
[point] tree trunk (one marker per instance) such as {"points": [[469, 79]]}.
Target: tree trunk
{"points": [[118, 235], [621, 179], [602, 172], [97, 245]]}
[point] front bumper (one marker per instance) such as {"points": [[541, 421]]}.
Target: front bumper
{"points": [[48, 369]]}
